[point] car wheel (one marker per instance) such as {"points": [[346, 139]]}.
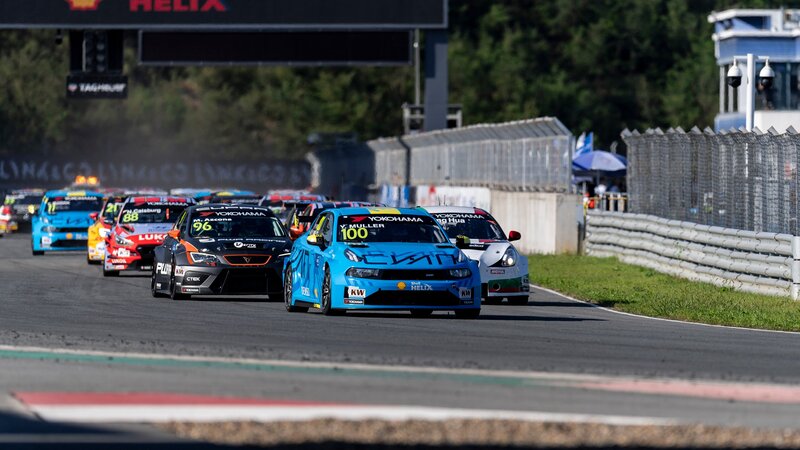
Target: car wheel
{"points": [[153, 291], [173, 293], [326, 307], [110, 273], [518, 301], [468, 314], [36, 253], [288, 291], [421, 313]]}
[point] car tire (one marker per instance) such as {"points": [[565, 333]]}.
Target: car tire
{"points": [[468, 314], [110, 273], [37, 253], [177, 296], [421, 313], [153, 291], [518, 301], [288, 293], [326, 307]]}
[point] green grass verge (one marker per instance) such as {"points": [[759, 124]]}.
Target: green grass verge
{"points": [[610, 283]]}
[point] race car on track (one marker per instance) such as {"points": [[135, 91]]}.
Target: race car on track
{"points": [[504, 272], [380, 259], [141, 226], [18, 208], [62, 221], [100, 229], [236, 198], [222, 250]]}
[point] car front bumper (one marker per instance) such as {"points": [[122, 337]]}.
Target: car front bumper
{"points": [[225, 280], [369, 294], [59, 242]]}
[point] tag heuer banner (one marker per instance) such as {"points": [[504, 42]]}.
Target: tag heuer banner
{"points": [[227, 14], [97, 86]]}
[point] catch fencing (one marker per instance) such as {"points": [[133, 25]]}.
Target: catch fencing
{"points": [[736, 179], [758, 262], [532, 155]]}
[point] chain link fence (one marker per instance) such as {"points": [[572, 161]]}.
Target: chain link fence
{"points": [[531, 155], [736, 179]]}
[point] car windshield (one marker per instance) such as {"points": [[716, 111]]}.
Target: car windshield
{"points": [[112, 208], [236, 225], [389, 228], [73, 204], [473, 226], [240, 199], [152, 213], [18, 199]]}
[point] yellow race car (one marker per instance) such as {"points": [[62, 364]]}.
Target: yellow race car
{"points": [[101, 227]]}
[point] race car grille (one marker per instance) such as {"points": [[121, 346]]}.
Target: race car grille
{"points": [[147, 252], [247, 260], [246, 281], [393, 274], [72, 230], [410, 298], [69, 244]]}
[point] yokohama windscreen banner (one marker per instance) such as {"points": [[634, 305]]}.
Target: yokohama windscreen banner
{"points": [[18, 172]]}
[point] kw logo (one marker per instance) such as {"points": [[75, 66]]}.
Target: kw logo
{"points": [[84, 5], [177, 5]]}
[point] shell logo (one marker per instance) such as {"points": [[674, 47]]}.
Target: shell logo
{"points": [[83, 5]]}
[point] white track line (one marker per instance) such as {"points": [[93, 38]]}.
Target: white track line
{"points": [[212, 413], [660, 319]]}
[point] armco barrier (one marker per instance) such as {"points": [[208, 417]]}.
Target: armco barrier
{"points": [[749, 261]]}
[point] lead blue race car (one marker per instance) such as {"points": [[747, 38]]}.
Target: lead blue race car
{"points": [[380, 259], [63, 220]]}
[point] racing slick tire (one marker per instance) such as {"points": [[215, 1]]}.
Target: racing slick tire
{"points": [[421, 313], [92, 262], [173, 294], [36, 253], [110, 273], [153, 290], [288, 293], [468, 314], [326, 307], [518, 300]]}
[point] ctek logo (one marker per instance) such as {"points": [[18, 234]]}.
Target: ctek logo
{"points": [[177, 5], [84, 5]]}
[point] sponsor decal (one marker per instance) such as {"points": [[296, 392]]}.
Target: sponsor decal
{"points": [[190, 290], [351, 301], [305, 291], [163, 268], [465, 293], [146, 268], [417, 286], [122, 253], [167, 6], [84, 5], [497, 271], [234, 214], [317, 306], [151, 237], [180, 271], [401, 286], [97, 86], [118, 261], [193, 279], [354, 292], [401, 219], [244, 245], [70, 236]]}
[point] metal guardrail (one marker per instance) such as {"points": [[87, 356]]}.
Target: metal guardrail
{"points": [[529, 155], [759, 262]]}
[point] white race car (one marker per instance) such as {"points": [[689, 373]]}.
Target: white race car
{"points": [[504, 272]]}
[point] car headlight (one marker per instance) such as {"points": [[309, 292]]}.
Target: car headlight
{"points": [[462, 258], [363, 273], [122, 241], [203, 258], [350, 255], [509, 258], [460, 273], [49, 229]]}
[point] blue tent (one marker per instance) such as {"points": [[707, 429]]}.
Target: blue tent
{"points": [[600, 161]]}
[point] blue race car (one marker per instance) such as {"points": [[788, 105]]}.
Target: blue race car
{"points": [[62, 222], [380, 259]]}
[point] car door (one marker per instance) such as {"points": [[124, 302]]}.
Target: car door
{"points": [[313, 260]]}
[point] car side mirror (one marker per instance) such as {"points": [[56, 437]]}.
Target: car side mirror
{"points": [[94, 215], [174, 233], [514, 236], [316, 240], [295, 232], [462, 242]]}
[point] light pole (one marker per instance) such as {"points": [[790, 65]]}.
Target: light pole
{"points": [[735, 76]]}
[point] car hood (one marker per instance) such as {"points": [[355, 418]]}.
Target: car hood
{"points": [[81, 219], [487, 253], [271, 245], [417, 256]]}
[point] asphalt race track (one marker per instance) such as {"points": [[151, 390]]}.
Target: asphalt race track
{"points": [[59, 302]]}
